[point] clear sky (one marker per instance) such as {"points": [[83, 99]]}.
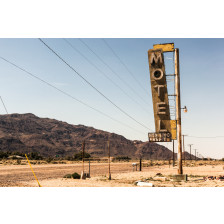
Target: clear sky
{"points": [[201, 70]]}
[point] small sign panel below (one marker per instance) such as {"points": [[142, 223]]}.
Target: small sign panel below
{"points": [[160, 137]]}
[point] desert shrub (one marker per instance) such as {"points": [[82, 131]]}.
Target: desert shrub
{"points": [[34, 156], [68, 176], [159, 175], [76, 176], [78, 156], [123, 158], [4, 155], [49, 159]]}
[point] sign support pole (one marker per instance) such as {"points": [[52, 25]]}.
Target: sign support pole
{"points": [[178, 111]]}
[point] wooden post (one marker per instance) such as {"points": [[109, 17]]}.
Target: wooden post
{"points": [[140, 165], [178, 111], [83, 151], [89, 168], [109, 174]]}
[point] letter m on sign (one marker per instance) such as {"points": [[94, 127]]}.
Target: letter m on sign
{"points": [[156, 58]]}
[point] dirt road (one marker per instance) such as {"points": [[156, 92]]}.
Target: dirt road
{"points": [[51, 175]]}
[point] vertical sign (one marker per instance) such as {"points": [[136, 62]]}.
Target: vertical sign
{"points": [[159, 92]]}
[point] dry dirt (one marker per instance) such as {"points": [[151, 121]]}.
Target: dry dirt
{"points": [[51, 175]]}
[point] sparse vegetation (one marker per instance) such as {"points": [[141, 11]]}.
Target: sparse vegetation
{"points": [[34, 156], [122, 158], [78, 156], [73, 176]]}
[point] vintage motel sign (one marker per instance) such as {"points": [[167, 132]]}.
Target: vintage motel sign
{"points": [[159, 96]]}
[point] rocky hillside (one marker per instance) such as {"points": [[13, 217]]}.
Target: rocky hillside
{"points": [[50, 137]]}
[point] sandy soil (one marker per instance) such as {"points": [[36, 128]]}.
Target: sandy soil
{"points": [[51, 175]]}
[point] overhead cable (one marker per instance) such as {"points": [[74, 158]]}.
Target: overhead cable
{"points": [[67, 94], [124, 112]]}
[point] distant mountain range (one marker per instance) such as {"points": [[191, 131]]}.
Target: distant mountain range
{"points": [[50, 137]]}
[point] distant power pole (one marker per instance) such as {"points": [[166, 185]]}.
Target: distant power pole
{"points": [[89, 168], [83, 155], [195, 154], [184, 148], [109, 160], [190, 150]]}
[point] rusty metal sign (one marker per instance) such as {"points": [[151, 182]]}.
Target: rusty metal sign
{"points": [[160, 137], [173, 124], [165, 47], [159, 91]]}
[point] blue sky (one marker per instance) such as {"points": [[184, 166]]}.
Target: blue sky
{"points": [[201, 70]]}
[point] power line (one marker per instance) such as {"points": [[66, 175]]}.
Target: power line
{"points": [[93, 86], [113, 71], [4, 105], [125, 66], [67, 94], [104, 74], [204, 136]]}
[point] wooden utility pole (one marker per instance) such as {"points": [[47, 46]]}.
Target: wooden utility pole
{"points": [[178, 111], [195, 154], [109, 174], [89, 168], [83, 154], [184, 148], [190, 150]]}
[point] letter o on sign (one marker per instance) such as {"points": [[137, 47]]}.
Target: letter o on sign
{"points": [[157, 74]]}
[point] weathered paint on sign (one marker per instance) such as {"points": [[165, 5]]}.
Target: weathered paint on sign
{"points": [[165, 47], [159, 91], [173, 124]]}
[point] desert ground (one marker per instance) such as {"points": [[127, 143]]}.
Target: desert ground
{"points": [[159, 173]]}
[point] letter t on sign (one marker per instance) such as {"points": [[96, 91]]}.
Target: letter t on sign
{"points": [[158, 88]]}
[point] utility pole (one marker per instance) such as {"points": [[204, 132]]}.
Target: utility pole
{"points": [[83, 151], [190, 150], [195, 154], [173, 155], [184, 148], [109, 160], [89, 168], [178, 111]]}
